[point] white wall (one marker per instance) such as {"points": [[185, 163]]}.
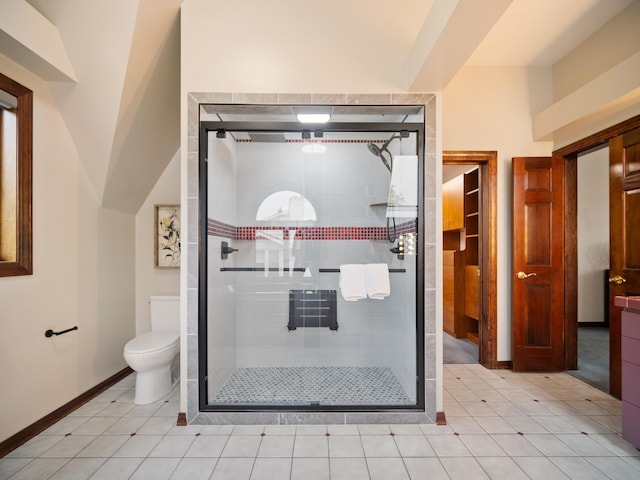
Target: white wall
{"points": [[593, 234], [150, 280], [289, 46], [490, 108], [83, 275]]}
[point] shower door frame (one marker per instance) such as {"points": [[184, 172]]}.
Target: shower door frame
{"points": [[207, 127]]}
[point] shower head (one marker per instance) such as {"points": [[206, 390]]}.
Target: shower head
{"points": [[379, 152], [373, 148]]}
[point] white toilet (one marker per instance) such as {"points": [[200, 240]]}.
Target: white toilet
{"points": [[154, 355]]}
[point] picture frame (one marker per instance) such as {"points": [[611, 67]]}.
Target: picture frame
{"points": [[167, 236]]}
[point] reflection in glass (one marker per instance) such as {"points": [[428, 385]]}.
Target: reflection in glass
{"points": [[285, 206]]}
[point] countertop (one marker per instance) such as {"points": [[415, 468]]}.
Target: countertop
{"points": [[630, 303]]}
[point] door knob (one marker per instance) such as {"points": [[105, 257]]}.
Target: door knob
{"points": [[522, 275], [618, 280]]}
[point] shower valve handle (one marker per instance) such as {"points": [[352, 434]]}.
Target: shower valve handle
{"points": [[225, 250]]}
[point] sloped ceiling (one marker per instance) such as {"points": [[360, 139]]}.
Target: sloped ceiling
{"points": [[123, 109]]}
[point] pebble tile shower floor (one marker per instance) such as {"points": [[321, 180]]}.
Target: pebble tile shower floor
{"points": [[501, 425], [313, 385]]}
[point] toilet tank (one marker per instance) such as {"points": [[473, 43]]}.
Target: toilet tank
{"points": [[165, 313]]}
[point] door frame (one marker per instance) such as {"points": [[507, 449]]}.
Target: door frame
{"points": [[487, 161], [570, 153]]}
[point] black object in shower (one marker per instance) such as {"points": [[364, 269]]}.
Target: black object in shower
{"points": [[312, 308], [380, 151], [225, 250]]}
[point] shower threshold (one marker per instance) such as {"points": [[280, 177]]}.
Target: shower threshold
{"points": [[312, 387]]}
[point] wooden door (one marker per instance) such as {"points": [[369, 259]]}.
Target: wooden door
{"points": [[538, 264], [624, 211]]}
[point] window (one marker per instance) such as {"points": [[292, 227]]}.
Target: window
{"points": [[16, 129]]}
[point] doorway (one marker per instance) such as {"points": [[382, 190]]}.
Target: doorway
{"points": [[625, 177], [593, 267], [470, 259]]}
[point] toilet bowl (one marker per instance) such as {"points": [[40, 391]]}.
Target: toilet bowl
{"points": [[154, 355]]}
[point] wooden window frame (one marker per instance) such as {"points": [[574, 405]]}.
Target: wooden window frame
{"points": [[23, 262]]}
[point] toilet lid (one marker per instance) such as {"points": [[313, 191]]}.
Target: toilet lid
{"points": [[152, 342]]}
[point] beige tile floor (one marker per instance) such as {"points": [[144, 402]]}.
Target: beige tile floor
{"points": [[501, 425]]}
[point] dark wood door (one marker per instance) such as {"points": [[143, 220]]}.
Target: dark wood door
{"points": [[624, 218], [538, 264]]}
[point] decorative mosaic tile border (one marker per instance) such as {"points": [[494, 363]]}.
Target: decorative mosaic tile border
{"points": [[220, 229], [407, 227]]}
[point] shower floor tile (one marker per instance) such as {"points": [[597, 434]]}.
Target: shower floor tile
{"points": [[313, 385]]}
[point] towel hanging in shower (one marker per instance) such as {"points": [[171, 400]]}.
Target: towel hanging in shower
{"points": [[403, 187], [352, 283], [377, 280]]}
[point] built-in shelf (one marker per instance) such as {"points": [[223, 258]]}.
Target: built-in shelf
{"points": [[461, 242], [472, 239], [471, 216]]}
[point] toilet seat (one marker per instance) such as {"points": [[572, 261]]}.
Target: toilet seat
{"points": [[152, 342]]}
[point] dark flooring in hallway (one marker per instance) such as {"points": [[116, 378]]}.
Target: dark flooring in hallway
{"points": [[593, 357], [458, 350]]}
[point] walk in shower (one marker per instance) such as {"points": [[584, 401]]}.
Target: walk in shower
{"points": [[311, 259]]}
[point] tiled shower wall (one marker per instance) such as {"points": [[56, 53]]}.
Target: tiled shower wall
{"points": [[361, 217], [340, 185]]}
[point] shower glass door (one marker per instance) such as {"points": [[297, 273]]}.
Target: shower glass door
{"points": [[287, 208]]}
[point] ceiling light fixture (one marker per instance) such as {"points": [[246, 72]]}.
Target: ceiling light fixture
{"points": [[313, 117]]}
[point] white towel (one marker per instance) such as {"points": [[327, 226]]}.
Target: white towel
{"points": [[377, 279], [403, 187], [352, 283]]}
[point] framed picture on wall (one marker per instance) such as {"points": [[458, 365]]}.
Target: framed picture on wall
{"points": [[167, 236]]}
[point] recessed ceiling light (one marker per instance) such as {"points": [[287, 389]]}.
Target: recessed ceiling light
{"points": [[313, 117]]}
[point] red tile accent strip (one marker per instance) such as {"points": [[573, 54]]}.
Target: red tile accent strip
{"points": [[220, 229]]}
